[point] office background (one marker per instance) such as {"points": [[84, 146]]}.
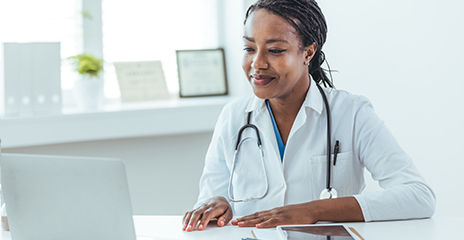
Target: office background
{"points": [[406, 56]]}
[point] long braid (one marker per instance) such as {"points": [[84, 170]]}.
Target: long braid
{"points": [[307, 18]]}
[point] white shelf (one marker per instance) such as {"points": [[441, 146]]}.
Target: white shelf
{"points": [[178, 116]]}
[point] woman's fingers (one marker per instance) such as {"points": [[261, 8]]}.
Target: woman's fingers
{"points": [[253, 222], [271, 222], [208, 215], [183, 219], [217, 207], [222, 213], [196, 215], [253, 216], [225, 218], [186, 219], [254, 219]]}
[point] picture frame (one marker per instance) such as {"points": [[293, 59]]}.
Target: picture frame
{"points": [[202, 73], [141, 81]]}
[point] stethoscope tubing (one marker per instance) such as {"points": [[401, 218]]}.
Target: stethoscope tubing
{"points": [[232, 199], [329, 144], [249, 125]]}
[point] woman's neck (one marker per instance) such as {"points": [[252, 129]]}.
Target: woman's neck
{"points": [[288, 106]]}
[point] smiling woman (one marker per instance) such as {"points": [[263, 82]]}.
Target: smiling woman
{"points": [[276, 44], [291, 113], [275, 63]]}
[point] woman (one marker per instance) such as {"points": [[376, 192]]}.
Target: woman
{"points": [[283, 43]]}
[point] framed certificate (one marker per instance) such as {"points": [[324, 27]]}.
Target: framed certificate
{"points": [[141, 81], [201, 72]]}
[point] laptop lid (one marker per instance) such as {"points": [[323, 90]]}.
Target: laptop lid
{"points": [[58, 197]]}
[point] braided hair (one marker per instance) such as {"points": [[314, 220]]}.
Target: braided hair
{"points": [[306, 17]]}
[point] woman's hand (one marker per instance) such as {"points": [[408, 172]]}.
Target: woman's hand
{"points": [[217, 207], [287, 215], [344, 209]]}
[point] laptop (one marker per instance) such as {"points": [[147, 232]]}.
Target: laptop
{"points": [[58, 197]]}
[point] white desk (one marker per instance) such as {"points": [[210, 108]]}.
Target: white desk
{"points": [[170, 227]]}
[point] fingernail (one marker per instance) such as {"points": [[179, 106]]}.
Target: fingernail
{"points": [[258, 225], [222, 223], [189, 228], [200, 227]]}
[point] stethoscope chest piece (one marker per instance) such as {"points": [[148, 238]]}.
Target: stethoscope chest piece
{"points": [[328, 194]]}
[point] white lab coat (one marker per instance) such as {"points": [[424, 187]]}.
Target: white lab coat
{"points": [[364, 142]]}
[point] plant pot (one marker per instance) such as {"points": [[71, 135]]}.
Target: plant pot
{"points": [[88, 93]]}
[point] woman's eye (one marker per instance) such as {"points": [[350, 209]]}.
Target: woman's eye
{"points": [[277, 50], [248, 49]]}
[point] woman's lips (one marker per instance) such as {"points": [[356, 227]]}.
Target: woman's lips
{"points": [[261, 80]]}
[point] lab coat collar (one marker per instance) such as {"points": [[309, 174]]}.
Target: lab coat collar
{"points": [[313, 100]]}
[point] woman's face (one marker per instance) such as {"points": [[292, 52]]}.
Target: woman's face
{"points": [[273, 60]]}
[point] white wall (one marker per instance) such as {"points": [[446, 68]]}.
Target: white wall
{"points": [[407, 57], [233, 13]]}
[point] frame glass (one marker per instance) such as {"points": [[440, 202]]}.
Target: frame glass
{"points": [[201, 72]]}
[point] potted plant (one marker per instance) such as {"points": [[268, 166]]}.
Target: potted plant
{"points": [[88, 88]]}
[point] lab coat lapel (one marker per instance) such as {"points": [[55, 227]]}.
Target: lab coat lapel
{"points": [[312, 101], [298, 123]]}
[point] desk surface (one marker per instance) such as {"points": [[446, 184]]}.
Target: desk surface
{"points": [[170, 227]]}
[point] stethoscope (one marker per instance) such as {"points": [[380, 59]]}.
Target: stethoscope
{"points": [[328, 193]]}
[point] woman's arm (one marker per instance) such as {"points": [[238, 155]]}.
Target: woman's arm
{"points": [[345, 209], [405, 194], [338, 210]]}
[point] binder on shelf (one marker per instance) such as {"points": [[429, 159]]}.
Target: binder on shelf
{"points": [[32, 78]]}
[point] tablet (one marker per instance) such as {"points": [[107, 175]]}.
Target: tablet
{"points": [[316, 232]]}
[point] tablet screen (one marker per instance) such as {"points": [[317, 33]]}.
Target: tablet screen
{"points": [[334, 232]]}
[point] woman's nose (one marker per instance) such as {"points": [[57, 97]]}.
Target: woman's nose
{"points": [[260, 61]]}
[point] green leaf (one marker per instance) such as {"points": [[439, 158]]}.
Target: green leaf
{"points": [[86, 64]]}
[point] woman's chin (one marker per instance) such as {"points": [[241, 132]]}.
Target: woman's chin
{"points": [[261, 93], [265, 91]]}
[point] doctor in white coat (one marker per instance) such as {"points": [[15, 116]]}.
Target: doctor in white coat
{"points": [[283, 42]]}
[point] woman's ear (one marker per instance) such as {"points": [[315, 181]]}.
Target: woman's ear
{"points": [[309, 52]]}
